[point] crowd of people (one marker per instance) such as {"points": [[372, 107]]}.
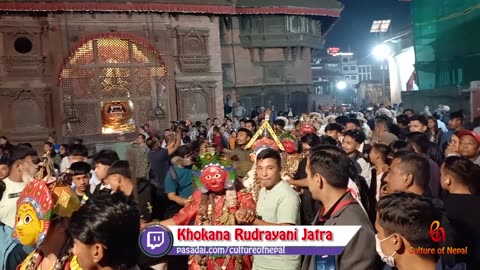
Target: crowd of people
{"points": [[394, 173]]}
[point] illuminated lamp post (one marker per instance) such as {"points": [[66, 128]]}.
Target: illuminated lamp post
{"points": [[340, 86], [381, 53]]}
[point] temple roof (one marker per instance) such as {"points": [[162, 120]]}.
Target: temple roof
{"points": [[328, 8], [329, 4]]}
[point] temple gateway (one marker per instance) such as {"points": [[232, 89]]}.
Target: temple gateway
{"points": [[91, 69]]}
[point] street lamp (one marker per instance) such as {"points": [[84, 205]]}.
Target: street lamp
{"points": [[341, 85], [381, 53]]}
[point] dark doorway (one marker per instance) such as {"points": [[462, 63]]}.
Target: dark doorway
{"points": [[299, 102]]}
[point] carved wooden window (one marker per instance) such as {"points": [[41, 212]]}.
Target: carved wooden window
{"points": [[245, 23], [298, 24], [112, 85], [257, 24], [274, 24], [192, 46]]}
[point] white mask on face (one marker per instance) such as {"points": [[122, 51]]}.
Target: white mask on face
{"points": [[389, 260]]}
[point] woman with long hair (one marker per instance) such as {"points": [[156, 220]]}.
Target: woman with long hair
{"points": [[63, 151], [452, 146], [48, 147], [434, 133]]}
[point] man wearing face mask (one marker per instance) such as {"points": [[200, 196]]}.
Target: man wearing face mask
{"points": [[22, 170], [403, 223], [409, 172]]}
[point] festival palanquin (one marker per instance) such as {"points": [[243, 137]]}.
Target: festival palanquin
{"points": [[288, 143], [219, 194]]}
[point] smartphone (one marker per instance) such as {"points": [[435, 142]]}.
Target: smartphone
{"points": [[324, 262]]}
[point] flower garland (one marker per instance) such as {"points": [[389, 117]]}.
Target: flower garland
{"points": [[207, 217], [256, 186]]}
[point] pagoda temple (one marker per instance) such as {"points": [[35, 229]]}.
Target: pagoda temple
{"points": [[91, 69]]}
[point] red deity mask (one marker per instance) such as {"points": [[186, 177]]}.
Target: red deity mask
{"points": [[307, 128], [289, 145], [265, 142], [213, 178]]}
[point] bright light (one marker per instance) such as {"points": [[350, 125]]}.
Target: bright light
{"points": [[381, 52], [380, 26], [341, 85]]}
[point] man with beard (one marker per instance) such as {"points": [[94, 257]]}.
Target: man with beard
{"points": [[22, 169]]}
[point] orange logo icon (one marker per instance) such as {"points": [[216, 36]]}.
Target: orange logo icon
{"points": [[437, 233]]}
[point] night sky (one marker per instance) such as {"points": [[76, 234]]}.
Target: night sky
{"points": [[352, 30]]}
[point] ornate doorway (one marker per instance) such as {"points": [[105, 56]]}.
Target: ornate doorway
{"points": [[113, 84]]}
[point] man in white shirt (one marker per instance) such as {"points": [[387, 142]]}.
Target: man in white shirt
{"points": [[22, 170], [101, 163], [351, 143], [239, 111], [78, 152]]}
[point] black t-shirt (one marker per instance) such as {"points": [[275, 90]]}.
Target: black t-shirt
{"points": [[301, 170], [147, 202], [450, 233], [83, 198], [186, 140], [149, 208], [461, 210], [100, 189], [309, 207], [159, 162]]}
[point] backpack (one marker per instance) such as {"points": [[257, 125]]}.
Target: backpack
{"points": [[147, 200]]}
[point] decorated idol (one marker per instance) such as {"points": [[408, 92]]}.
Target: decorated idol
{"points": [[307, 124], [291, 156], [43, 210], [264, 138], [217, 201]]}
